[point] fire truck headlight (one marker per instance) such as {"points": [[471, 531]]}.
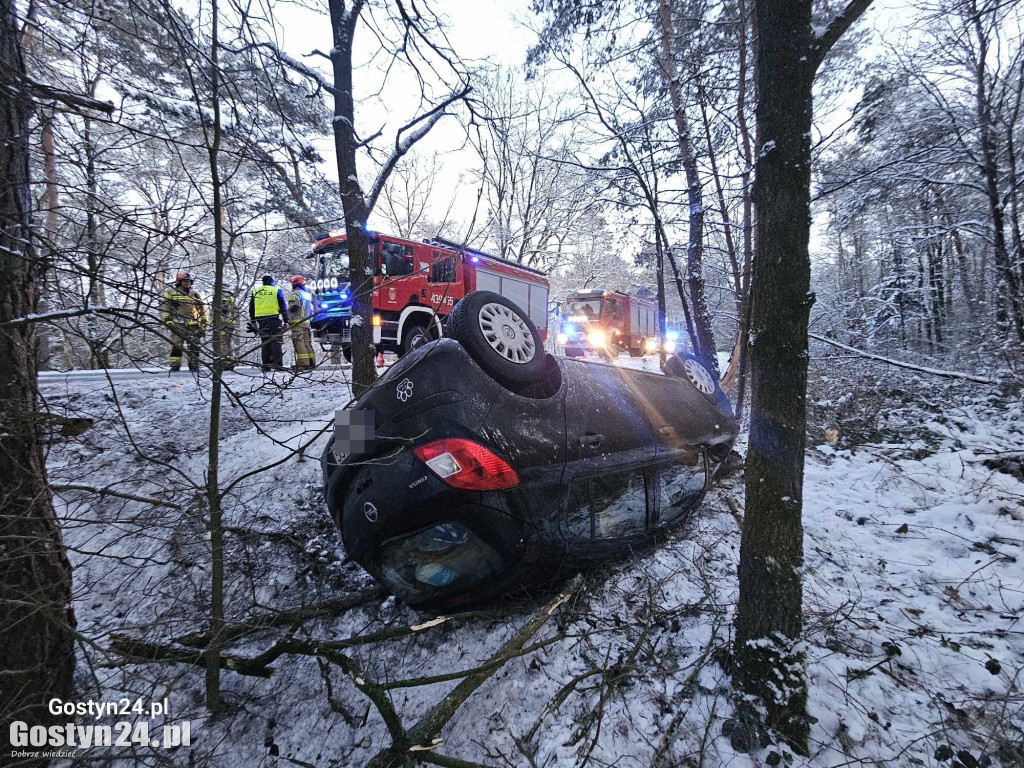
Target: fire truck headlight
{"points": [[670, 346], [651, 345], [334, 282], [597, 338], [562, 338], [376, 319]]}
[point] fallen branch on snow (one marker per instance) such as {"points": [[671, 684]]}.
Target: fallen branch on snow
{"points": [[101, 492], [284, 618], [424, 733], [908, 366]]}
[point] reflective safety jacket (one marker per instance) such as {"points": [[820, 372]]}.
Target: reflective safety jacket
{"points": [[267, 301], [181, 306], [302, 305]]}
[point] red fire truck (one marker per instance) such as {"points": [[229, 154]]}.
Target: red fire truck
{"points": [[416, 285], [608, 321]]}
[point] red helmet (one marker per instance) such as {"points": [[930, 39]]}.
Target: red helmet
{"points": [[182, 276], [297, 280]]}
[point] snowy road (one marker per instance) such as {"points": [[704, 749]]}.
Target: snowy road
{"points": [[149, 374]]}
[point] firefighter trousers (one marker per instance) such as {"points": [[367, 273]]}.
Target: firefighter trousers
{"points": [[271, 341], [227, 341], [183, 337], [304, 355]]}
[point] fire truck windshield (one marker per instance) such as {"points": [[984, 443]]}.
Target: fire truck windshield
{"points": [[333, 263], [582, 310]]}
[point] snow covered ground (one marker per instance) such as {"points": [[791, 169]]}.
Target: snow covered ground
{"points": [[914, 594]]}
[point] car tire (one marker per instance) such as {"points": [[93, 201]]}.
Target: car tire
{"points": [[512, 359], [414, 338], [700, 378]]}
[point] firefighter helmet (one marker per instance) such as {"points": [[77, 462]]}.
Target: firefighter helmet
{"points": [[183, 276], [297, 280]]}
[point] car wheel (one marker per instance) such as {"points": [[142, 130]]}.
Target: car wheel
{"points": [[499, 336], [415, 337], [690, 368]]}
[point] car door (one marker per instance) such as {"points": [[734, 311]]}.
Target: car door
{"points": [[680, 417], [608, 443], [605, 424], [444, 282]]}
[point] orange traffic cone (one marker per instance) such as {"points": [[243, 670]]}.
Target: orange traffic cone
{"points": [[380, 360]]}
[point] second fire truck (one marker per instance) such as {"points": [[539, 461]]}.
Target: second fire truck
{"points": [[607, 322], [416, 286]]}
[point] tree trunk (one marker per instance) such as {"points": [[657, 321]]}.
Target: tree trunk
{"points": [[897, 268], [1009, 285], [361, 267], [769, 620], [37, 658], [660, 253], [748, 209], [213, 497], [51, 201], [705, 338], [946, 217]]}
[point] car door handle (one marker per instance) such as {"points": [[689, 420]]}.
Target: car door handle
{"points": [[591, 440]]}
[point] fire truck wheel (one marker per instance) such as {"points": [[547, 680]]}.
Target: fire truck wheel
{"points": [[347, 353], [415, 336], [638, 351], [499, 336], [690, 368]]}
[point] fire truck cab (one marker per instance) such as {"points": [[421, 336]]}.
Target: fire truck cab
{"points": [[608, 321], [415, 286]]}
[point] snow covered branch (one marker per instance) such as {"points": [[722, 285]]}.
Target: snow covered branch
{"points": [[830, 35], [424, 123], [76, 101], [60, 315]]}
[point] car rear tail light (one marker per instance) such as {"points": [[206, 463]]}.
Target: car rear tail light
{"points": [[467, 465]]}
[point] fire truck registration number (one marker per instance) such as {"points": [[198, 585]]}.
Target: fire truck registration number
{"points": [[436, 298]]}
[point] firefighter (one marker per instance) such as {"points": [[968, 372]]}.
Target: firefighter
{"points": [[229, 318], [182, 311], [302, 308], [267, 308]]}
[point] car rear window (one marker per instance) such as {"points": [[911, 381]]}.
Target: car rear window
{"points": [[447, 555]]}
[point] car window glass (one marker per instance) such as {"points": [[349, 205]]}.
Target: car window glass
{"points": [[443, 271], [608, 506], [680, 486], [397, 259]]}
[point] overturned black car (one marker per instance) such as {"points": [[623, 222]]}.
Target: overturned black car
{"points": [[495, 465]]}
